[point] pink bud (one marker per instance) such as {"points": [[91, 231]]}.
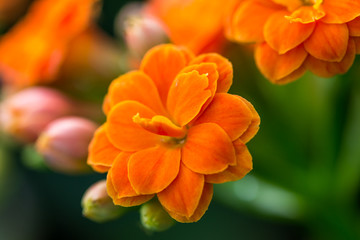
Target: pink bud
{"points": [[26, 113], [64, 144], [140, 30]]}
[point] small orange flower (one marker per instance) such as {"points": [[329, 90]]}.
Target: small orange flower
{"points": [[33, 50], [172, 130], [293, 36], [196, 24]]}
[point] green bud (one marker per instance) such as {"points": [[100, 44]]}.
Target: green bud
{"points": [[154, 217], [98, 206]]}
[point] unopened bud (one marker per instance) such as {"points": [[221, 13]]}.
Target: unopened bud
{"points": [[154, 217], [98, 206], [140, 30], [25, 114], [64, 144]]}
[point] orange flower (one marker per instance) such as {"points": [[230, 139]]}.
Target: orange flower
{"points": [[196, 24], [293, 36], [33, 50], [172, 130]]}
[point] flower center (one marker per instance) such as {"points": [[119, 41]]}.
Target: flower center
{"points": [[172, 142], [292, 5], [172, 135], [314, 3]]}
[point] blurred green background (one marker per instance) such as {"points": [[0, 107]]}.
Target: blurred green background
{"points": [[305, 183]]}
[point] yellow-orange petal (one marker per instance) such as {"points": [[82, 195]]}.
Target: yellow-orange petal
{"points": [[228, 112], [125, 201], [354, 27], [126, 135], [183, 195], [208, 149], [254, 125], [233, 173], [274, 66], [119, 176], [101, 152], [152, 170], [357, 44], [248, 21], [283, 35], [200, 210], [135, 86], [160, 125], [187, 94], [340, 11], [306, 14], [162, 63], [224, 68], [328, 42], [329, 69]]}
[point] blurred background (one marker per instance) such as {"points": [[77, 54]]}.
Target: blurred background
{"points": [[306, 178]]}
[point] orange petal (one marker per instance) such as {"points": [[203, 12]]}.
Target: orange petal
{"points": [[254, 125], [106, 106], [162, 63], [234, 173], [329, 69], [274, 66], [354, 27], [125, 201], [119, 176], [328, 42], [229, 112], [210, 70], [101, 152], [357, 44], [208, 149], [340, 11], [183, 195], [135, 86], [224, 68], [292, 76], [306, 14], [283, 35], [160, 125], [152, 170], [249, 19], [187, 95], [126, 135], [200, 210]]}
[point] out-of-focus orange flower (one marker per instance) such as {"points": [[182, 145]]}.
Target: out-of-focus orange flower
{"points": [[11, 10], [196, 24], [32, 51], [293, 36], [172, 130]]}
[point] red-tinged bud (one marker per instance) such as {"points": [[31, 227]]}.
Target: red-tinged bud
{"points": [[26, 113], [64, 144], [98, 206], [140, 30]]}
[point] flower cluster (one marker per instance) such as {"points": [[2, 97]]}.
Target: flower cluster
{"points": [[32, 51], [293, 36], [196, 24], [173, 131]]}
